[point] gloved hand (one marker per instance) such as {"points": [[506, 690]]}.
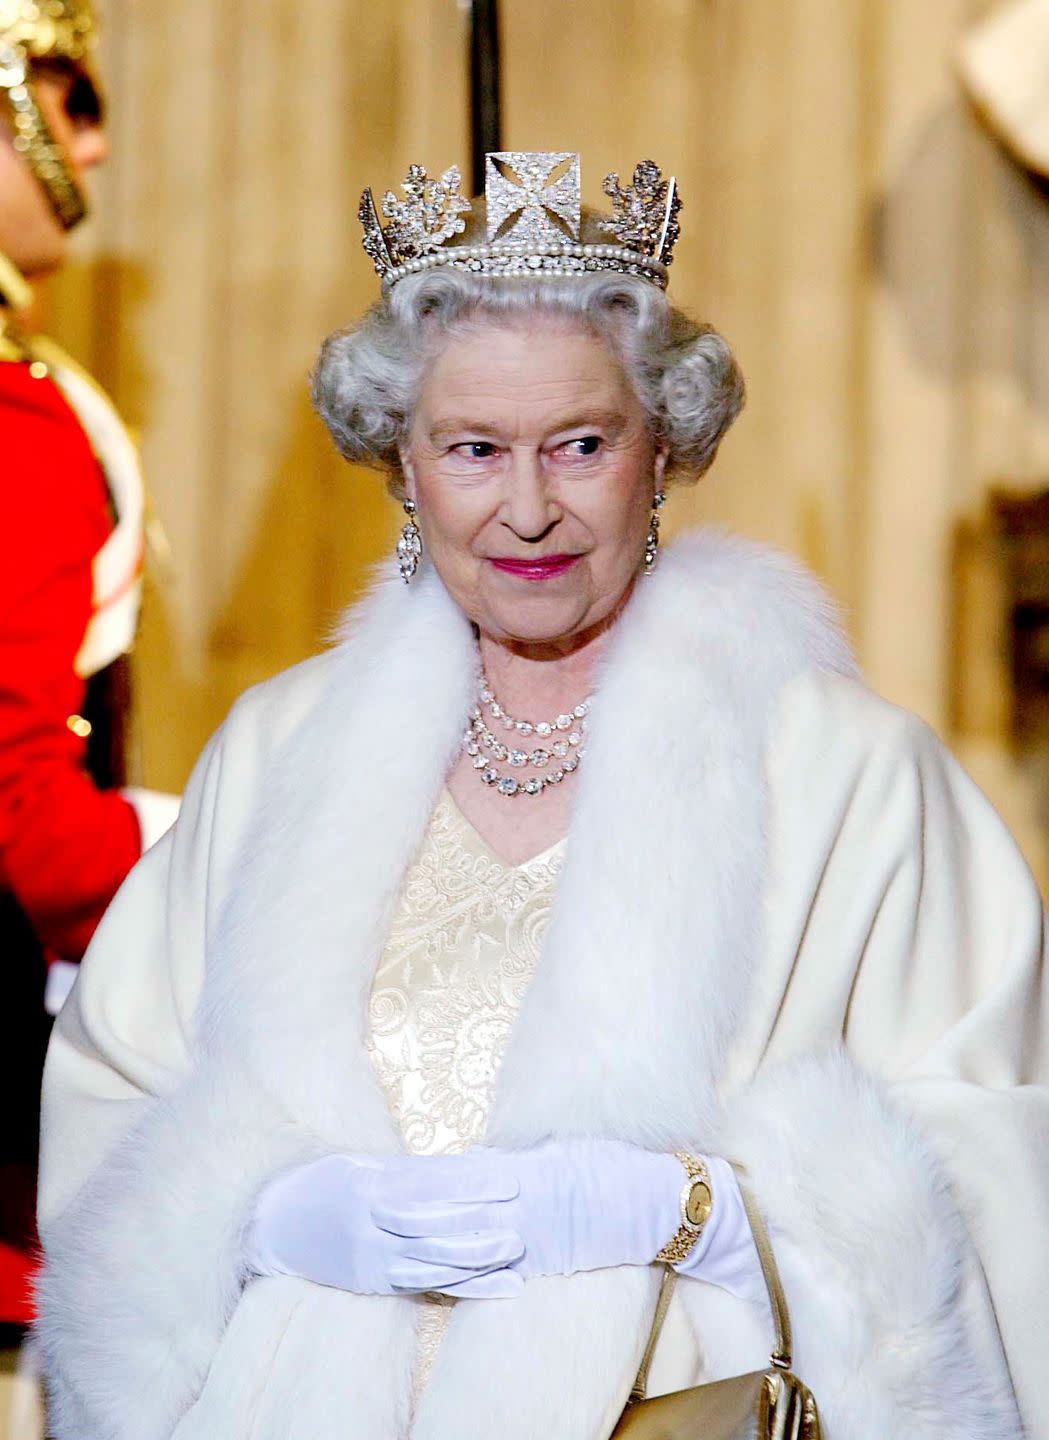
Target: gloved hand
{"points": [[576, 1205], [316, 1221]]}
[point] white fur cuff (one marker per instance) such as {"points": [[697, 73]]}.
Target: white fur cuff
{"points": [[872, 1252]]}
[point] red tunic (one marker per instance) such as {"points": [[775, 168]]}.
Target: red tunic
{"points": [[65, 845]]}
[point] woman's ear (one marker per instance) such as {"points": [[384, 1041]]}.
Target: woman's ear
{"points": [[407, 472], [661, 465]]}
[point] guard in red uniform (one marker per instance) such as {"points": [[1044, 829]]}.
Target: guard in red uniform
{"points": [[71, 547]]}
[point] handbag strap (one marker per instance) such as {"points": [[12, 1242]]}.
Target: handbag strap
{"points": [[782, 1354], [781, 1357], [639, 1389]]}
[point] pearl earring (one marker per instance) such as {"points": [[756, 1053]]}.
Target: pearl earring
{"points": [[409, 545], [652, 539]]}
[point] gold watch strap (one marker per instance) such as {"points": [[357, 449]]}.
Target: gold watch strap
{"points": [[681, 1244]]}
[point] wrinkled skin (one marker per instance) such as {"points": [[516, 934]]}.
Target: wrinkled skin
{"points": [[528, 441]]}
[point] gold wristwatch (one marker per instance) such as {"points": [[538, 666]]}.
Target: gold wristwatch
{"points": [[697, 1201]]}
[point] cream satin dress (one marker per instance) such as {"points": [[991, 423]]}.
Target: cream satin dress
{"points": [[461, 954]]}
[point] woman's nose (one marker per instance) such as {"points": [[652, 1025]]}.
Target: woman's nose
{"points": [[530, 509]]}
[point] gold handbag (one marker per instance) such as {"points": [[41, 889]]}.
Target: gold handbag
{"points": [[767, 1404]]}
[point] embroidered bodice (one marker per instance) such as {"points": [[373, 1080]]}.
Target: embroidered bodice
{"points": [[459, 958]]}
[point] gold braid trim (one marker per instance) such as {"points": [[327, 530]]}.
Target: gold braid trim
{"points": [[44, 156]]}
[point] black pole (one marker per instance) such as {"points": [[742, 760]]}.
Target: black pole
{"points": [[485, 88]]}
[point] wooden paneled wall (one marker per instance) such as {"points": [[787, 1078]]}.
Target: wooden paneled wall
{"points": [[882, 270]]}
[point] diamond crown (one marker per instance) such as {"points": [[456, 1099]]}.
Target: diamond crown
{"points": [[533, 222]]}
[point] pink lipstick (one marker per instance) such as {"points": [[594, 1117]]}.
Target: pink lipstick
{"points": [[546, 568]]}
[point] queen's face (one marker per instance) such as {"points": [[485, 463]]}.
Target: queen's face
{"points": [[533, 469]]}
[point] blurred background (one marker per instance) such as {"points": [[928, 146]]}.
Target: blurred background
{"points": [[878, 262]]}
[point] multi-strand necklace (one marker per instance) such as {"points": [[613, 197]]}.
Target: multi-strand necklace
{"points": [[553, 748]]}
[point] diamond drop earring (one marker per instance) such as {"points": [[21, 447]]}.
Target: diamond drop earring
{"points": [[652, 538], [409, 545]]}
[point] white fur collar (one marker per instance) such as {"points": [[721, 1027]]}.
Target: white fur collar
{"points": [[646, 966]]}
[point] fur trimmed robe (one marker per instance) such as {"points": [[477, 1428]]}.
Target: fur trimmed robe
{"points": [[788, 930]]}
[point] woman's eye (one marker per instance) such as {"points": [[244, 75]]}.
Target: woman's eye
{"points": [[585, 445], [475, 449]]}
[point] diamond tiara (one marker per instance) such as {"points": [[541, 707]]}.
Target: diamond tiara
{"points": [[533, 222]]}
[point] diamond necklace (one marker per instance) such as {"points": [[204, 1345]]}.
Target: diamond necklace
{"points": [[557, 756]]}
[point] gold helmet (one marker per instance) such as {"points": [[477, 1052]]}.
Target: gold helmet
{"points": [[62, 31]]}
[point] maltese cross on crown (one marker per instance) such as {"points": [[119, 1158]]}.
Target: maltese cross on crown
{"points": [[521, 188], [533, 216]]}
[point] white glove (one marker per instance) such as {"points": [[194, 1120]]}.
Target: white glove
{"points": [[725, 1253], [316, 1222], [576, 1205]]}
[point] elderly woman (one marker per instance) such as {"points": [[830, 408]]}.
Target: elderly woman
{"points": [[493, 945]]}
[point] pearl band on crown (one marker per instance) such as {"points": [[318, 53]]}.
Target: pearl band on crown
{"points": [[525, 262]]}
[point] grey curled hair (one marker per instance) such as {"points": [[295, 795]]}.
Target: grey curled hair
{"points": [[368, 377]]}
